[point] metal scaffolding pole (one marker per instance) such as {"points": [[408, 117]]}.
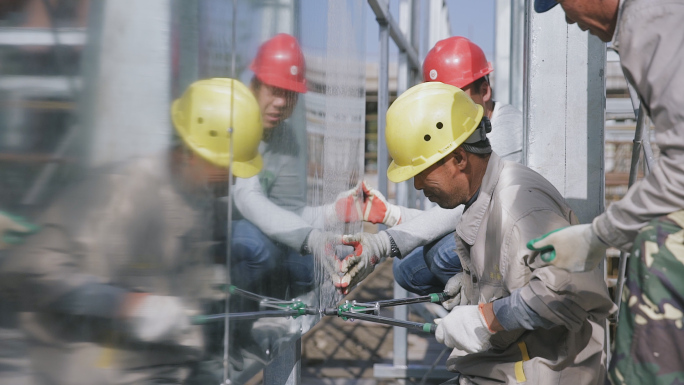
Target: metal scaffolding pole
{"points": [[517, 51], [388, 28], [564, 109], [383, 103], [383, 16], [399, 334], [502, 52]]}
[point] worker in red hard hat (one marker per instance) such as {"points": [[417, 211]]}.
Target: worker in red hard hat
{"points": [[279, 69], [425, 243], [273, 235]]}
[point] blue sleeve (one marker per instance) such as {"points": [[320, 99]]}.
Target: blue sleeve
{"points": [[91, 300], [513, 313]]}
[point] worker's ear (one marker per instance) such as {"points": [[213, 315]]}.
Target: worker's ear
{"points": [[459, 158], [486, 91]]}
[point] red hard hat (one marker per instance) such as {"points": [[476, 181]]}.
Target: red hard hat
{"points": [[280, 63], [456, 61]]}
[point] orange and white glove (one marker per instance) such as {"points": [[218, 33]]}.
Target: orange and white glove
{"points": [[323, 244], [348, 207], [376, 208], [369, 250]]}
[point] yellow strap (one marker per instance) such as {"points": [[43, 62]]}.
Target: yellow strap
{"points": [[523, 350], [519, 372], [107, 353]]}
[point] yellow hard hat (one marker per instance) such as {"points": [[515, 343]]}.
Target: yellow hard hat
{"points": [[206, 112], [425, 124]]}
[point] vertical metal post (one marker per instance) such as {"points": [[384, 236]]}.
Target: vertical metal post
{"points": [[565, 109], [517, 50], [400, 335], [416, 78], [139, 30], [403, 76], [383, 102], [286, 368], [400, 340], [502, 52]]}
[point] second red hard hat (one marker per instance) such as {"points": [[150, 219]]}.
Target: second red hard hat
{"points": [[456, 61]]}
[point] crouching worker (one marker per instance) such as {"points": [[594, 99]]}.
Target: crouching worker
{"points": [[121, 263], [510, 321]]}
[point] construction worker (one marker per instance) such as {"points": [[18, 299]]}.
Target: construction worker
{"points": [[273, 234], [425, 240], [649, 36], [516, 321], [121, 261]]}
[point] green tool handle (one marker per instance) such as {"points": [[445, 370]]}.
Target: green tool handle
{"points": [[14, 237], [425, 327]]}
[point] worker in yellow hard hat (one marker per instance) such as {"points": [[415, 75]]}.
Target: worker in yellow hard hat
{"points": [[122, 259], [212, 113], [510, 322], [425, 238]]}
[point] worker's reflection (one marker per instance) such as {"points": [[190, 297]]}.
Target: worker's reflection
{"points": [[275, 235], [123, 258]]}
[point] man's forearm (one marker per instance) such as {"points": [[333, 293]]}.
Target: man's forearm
{"points": [[425, 228], [512, 313]]}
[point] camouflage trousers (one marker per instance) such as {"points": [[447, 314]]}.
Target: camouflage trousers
{"points": [[649, 344]]}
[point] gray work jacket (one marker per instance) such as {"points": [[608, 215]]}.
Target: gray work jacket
{"points": [[650, 40], [125, 229], [516, 204], [418, 228]]}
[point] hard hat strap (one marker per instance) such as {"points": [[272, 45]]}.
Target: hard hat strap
{"points": [[478, 143], [481, 147]]}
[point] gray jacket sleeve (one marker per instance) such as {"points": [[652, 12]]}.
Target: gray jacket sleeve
{"points": [[430, 225], [650, 40], [506, 136], [552, 296], [277, 223]]}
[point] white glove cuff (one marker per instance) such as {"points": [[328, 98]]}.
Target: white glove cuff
{"points": [[393, 215]]}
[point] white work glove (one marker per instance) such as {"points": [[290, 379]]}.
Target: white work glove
{"points": [[348, 207], [369, 250], [453, 290], [10, 223], [322, 245], [465, 329], [574, 248], [376, 209], [159, 318]]}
